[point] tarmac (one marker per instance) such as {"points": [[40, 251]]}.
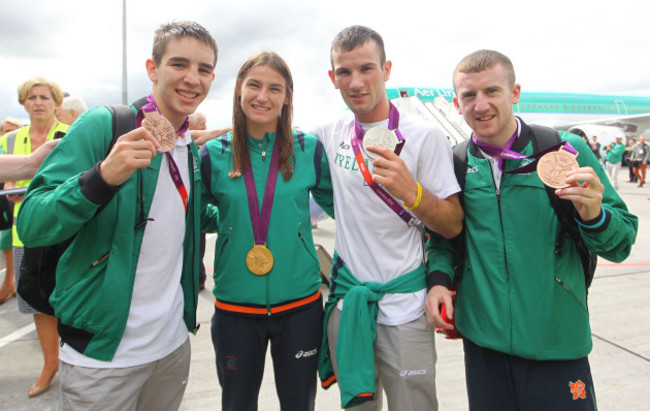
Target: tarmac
{"points": [[620, 320]]}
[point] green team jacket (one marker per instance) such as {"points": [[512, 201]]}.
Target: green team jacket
{"points": [[95, 276], [516, 295], [615, 155], [294, 280]]}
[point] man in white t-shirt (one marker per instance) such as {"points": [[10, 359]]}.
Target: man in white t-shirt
{"points": [[382, 197], [127, 287]]}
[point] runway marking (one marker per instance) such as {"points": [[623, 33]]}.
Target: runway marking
{"points": [[623, 264], [17, 334]]}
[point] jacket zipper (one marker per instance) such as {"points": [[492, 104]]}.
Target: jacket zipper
{"points": [[559, 281], [505, 251], [92, 265], [268, 296]]}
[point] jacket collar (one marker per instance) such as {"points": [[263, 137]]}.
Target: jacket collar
{"points": [[521, 142]]}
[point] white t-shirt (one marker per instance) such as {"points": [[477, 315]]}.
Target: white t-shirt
{"points": [[155, 326], [373, 241]]}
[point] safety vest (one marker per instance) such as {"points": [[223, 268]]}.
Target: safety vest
{"points": [[22, 145], [7, 142]]}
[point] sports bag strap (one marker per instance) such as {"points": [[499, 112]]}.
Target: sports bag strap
{"points": [[460, 169], [460, 164]]}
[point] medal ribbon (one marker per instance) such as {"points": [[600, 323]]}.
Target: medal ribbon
{"points": [[505, 153], [178, 181], [173, 168], [261, 219], [393, 122]]}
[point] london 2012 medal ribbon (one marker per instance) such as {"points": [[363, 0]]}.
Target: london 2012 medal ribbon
{"points": [[259, 259], [553, 167], [161, 129]]}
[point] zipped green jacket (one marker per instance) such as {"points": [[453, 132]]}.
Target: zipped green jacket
{"points": [[516, 295], [95, 276], [294, 281], [615, 154]]}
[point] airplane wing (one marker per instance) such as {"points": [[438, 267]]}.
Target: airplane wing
{"points": [[634, 125]]}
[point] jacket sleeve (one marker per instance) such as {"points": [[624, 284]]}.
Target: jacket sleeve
{"points": [[323, 192], [209, 210], [67, 190], [441, 259], [611, 234]]}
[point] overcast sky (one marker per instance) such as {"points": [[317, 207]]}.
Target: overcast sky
{"points": [[570, 46]]}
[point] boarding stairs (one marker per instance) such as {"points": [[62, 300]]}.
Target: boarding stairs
{"points": [[441, 112]]}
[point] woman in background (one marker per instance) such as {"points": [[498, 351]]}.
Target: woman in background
{"points": [[40, 97]]}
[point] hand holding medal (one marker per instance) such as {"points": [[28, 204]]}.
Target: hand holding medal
{"points": [[161, 129]]}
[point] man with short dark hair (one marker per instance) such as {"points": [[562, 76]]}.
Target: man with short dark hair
{"points": [[127, 287], [377, 337], [521, 299]]}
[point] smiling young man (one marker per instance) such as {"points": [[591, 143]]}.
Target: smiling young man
{"points": [[126, 288], [381, 199], [521, 301]]}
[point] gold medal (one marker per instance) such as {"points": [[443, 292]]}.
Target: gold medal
{"points": [[553, 167], [259, 259]]}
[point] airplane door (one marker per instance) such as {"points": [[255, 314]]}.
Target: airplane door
{"points": [[621, 107]]}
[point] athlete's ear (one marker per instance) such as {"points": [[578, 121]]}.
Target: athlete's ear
{"points": [[388, 65], [457, 105], [151, 70], [516, 93], [333, 78]]}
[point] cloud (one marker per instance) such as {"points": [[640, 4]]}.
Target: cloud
{"points": [[557, 45]]}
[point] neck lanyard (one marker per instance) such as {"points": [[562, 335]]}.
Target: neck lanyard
{"points": [[173, 168], [393, 123], [505, 153], [260, 219]]}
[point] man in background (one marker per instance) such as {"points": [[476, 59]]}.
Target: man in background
{"points": [[71, 108]]}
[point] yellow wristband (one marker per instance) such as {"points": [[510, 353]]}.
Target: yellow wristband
{"points": [[417, 199]]}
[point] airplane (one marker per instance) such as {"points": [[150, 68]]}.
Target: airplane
{"points": [[605, 116]]}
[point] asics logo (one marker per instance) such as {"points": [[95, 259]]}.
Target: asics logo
{"points": [[305, 354], [411, 373]]}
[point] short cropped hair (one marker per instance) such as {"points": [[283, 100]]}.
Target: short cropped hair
{"points": [[12, 120], [356, 36], [176, 31], [74, 103], [27, 85], [483, 59]]}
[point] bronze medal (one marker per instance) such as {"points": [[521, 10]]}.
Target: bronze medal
{"points": [[161, 129], [259, 259], [553, 166]]}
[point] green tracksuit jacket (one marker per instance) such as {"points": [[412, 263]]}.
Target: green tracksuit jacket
{"points": [[516, 295], [95, 276], [294, 280]]}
